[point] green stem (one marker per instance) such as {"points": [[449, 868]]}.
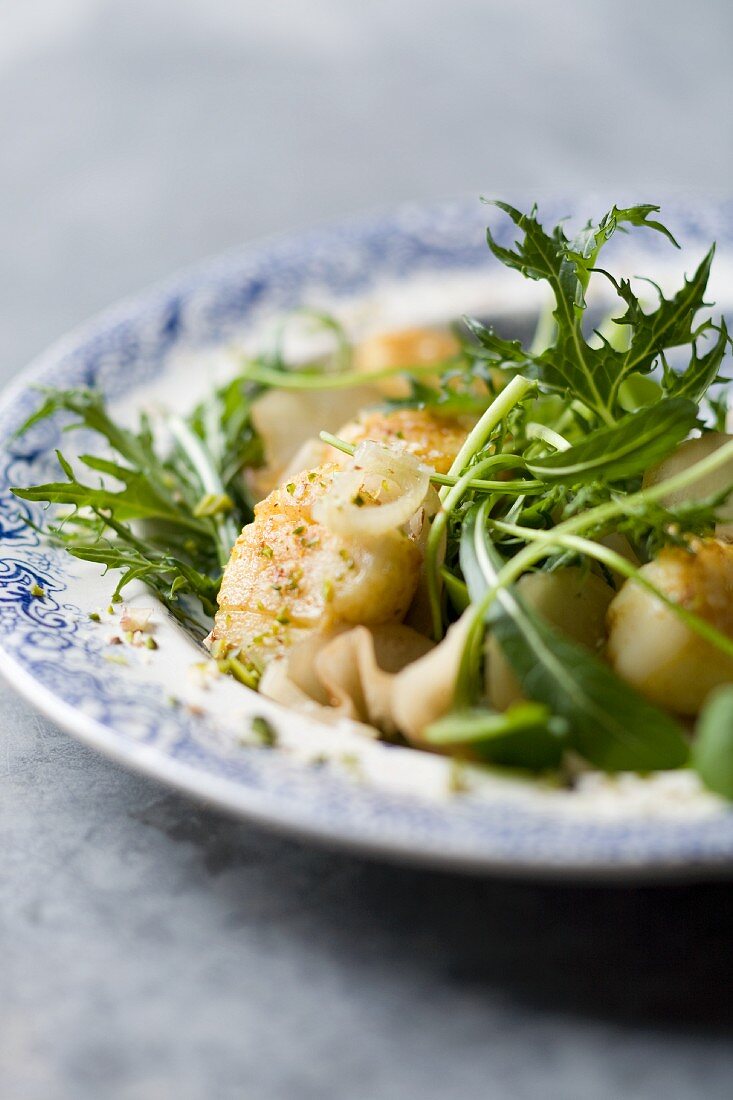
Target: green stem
{"points": [[479, 435], [432, 546], [202, 464], [547, 435], [508, 462], [544, 334], [617, 562], [313, 380], [595, 517]]}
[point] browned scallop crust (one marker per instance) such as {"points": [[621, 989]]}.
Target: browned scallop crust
{"points": [[433, 439], [288, 574], [650, 646]]}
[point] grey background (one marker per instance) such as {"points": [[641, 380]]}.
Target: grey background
{"points": [[151, 948]]}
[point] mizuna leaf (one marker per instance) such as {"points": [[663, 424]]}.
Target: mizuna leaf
{"points": [[592, 375], [583, 251], [702, 371], [670, 325]]}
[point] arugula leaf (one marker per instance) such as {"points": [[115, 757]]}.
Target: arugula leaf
{"points": [[712, 750], [582, 252], [524, 736], [175, 518], [702, 372], [591, 375], [624, 450], [138, 500], [670, 325], [224, 423], [167, 575], [608, 723], [494, 347]]}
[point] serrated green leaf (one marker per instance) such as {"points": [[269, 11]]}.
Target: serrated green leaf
{"points": [[702, 372], [670, 325], [593, 375], [610, 724], [583, 251]]}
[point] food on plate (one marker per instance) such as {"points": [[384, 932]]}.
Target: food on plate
{"points": [[655, 650], [519, 555], [292, 571]]}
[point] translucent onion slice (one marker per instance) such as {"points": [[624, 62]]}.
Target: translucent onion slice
{"points": [[379, 491]]}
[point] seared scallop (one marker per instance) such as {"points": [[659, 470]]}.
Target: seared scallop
{"points": [[684, 456], [430, 437], [653, 649], [404, 348], [290, 573], [288, 421], [433, 439]]}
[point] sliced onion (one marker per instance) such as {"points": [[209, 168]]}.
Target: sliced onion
{"points": [[378, 491]]}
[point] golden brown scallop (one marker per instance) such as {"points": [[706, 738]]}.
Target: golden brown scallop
{"points": [[290, 574], [430, 437], [648, 644], [405, 348]]}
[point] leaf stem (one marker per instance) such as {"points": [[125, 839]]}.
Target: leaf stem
{"points": [[319, 380], [617, 562], [479, 435], [532, 553], [202, 464], [508, 461]]}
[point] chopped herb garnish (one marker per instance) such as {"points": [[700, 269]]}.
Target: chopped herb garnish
{"points": [[264, 731]]}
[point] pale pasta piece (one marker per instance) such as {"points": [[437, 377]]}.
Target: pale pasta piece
{"points": [[277, 685], [287, 419], [360, 665], [424, 691], [348, 674]]}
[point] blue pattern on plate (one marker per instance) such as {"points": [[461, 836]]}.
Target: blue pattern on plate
{"points": [[52, 642]]}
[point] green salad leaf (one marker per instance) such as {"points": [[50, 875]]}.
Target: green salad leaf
{"points": [[165, 515], [608, 723], [624, 450], [712, 753], [571, 365], [526, 736]]}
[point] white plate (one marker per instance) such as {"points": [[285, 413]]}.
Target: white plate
{"points": [[153, 713]]}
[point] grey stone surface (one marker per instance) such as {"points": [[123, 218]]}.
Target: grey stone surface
{"points": [[150, 947]]}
